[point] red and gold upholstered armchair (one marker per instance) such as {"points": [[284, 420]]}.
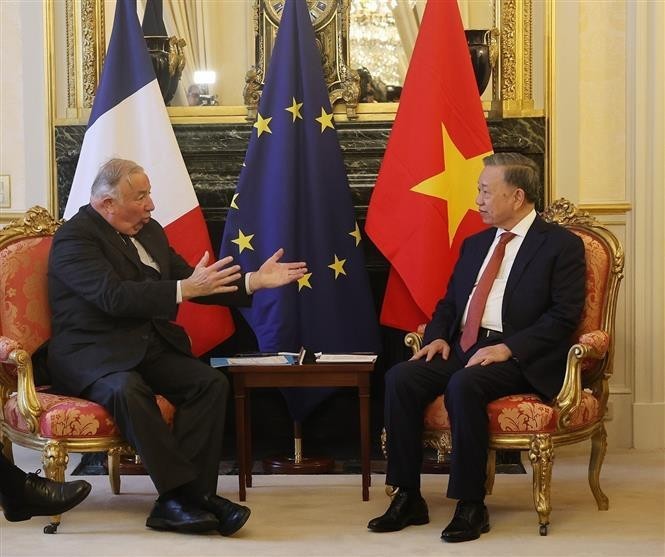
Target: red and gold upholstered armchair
{"points": [[524, 422], [32, 416]]}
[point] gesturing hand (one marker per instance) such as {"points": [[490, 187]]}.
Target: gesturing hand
{"points": [[273, 273], [206, 279]]}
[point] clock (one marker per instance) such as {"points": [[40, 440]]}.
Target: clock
{"points": [[330, 19], [320, 11]]}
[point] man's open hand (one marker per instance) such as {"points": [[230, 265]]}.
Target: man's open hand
{"points": [[273, 273], [437, 346], [216, 278], [489, 355]]}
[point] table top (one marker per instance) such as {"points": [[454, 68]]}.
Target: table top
{"points": [[346, 367]]}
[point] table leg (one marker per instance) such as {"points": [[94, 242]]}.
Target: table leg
{"points": [[248, 439], [363, 396], [241, 453]]}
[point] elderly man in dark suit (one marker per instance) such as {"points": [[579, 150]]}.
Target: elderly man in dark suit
{"points": [[114, 289], [503, 327]]}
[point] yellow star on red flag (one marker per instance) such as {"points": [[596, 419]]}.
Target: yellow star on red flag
{"points": [[455, 184]]}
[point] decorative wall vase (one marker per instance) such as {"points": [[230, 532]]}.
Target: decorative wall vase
{"points": [[483, 49], [168, 60]]}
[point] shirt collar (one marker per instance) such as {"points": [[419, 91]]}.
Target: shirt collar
{"points": [[522, 227]]}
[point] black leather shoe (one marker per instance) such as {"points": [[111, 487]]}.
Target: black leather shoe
{"points": [[406, 509], [44, 497], [471, 519], [231, 516], [181, 516]]}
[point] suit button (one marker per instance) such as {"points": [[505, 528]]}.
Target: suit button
{"points": [[144, 337]]}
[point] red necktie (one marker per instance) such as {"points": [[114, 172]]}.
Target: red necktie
{"points": [[479, 298]]}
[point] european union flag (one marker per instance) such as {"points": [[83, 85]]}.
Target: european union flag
{"points": [[293, 193]]}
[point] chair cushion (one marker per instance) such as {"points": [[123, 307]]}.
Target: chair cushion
{"points": [[524, 413], [71, 417]]}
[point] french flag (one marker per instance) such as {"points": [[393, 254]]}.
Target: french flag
{"points": [[129, 120]]}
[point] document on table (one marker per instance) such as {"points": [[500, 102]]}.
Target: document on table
{"points": [[282, 358], [345, 358]]}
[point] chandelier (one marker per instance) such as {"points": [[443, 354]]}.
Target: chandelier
{"points": [[374, 39]]}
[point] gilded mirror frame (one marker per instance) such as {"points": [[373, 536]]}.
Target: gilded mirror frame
{"points": [[85, 44]]}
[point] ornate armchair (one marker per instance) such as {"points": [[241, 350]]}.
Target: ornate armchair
{"points": [[524, 422], [32, 416]]}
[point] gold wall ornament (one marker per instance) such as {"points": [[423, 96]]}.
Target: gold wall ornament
{"points": [[512, 75], [512, 84], [72, 97], [319, 10], [330, 19], [176, 55], [93, 47], [85, 47], [252, 91]]}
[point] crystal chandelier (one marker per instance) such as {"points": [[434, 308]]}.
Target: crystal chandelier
{"points": [[374, 39]]}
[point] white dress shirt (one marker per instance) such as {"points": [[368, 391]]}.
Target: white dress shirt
{"points": [[492, 315]]}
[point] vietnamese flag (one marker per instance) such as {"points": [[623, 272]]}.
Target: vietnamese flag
{"points": [[423, 204], [129, 120]]}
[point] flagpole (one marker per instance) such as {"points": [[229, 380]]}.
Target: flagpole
{"points": [[293, 192], [298, 464]]}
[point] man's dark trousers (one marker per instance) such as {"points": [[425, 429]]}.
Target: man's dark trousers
{"points": [[412, 385], [190, 452]]}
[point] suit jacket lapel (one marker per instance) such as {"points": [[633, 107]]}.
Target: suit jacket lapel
{"points": [[111, 235]]}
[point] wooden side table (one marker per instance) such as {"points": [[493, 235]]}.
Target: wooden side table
{"points": [[246, 377]]}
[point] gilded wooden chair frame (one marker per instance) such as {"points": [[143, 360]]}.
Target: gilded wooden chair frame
{"points": [[37, 222], [598, 367]]}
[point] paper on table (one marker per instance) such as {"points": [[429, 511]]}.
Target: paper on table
{"points": [[253, 360], [346, 358]]}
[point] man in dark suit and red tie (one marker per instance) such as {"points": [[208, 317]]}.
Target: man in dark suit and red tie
{"points": [[114, 289], [503, 327]]}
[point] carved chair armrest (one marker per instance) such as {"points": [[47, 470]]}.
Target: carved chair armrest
{"points": [[13, 354], [414, 339], [593, 345]]}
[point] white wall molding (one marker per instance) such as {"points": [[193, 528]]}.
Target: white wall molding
{"points": [[645, 177]]}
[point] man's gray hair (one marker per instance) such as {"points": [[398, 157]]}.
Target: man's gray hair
{"points": [[110, 174], [519, 171]]}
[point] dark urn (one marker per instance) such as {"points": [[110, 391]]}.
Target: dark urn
{"points": [[168, 61]]}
